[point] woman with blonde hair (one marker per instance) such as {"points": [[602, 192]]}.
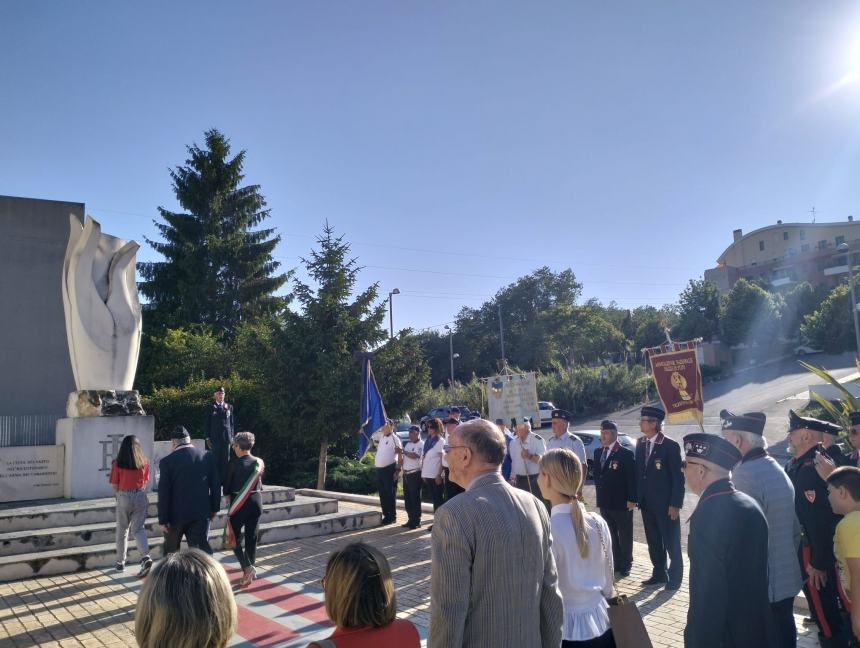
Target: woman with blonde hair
{"points": [[582, 550], [186, 602], [360, 601]]}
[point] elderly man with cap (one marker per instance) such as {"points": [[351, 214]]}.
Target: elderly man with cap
{"points": [[218, 428], [727, 548], [388, 460], [526, 449], [561, 438], [189, 494], [763, 479], [660, 489], [826, 463], [615, 482], [452, 488], [413, 450], [818, 523]]}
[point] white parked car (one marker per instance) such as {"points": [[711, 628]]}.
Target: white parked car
{"points": [[806, 349], [545, 408]]}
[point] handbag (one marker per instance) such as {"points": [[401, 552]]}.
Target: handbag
{"points": [[628, 629]]}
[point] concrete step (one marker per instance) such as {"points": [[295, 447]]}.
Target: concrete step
{"points": [[38, 540], [94, 556], [69, 513]]}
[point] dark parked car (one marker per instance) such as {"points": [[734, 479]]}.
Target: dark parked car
{"points": [[591, 441], [442, 412]]}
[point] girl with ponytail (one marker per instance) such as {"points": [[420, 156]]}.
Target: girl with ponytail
{"points": [[582, 550]]}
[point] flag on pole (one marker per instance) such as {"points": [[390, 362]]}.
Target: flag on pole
{"points": [[372, 409]]}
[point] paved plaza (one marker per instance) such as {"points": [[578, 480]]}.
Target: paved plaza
{"points": [[284, 607]]}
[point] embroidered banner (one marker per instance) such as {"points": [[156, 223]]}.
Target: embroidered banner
{"points": [[679, 384]]}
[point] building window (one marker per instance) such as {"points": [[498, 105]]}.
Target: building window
{"points": [[792, 252], [822, 245], [840, 240], [802, 235], [804, 247], [785, 236], [761, 246]]}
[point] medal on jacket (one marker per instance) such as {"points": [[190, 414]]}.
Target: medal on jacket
{"points": [[658, 464], [810, 495], [613, 465]]}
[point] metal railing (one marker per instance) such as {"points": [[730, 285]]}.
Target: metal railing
{"points": [[28, 430]]}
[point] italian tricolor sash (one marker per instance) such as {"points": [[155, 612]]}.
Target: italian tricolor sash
{"points": [[242, 496]]}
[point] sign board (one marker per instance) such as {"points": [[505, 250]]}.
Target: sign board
{"points": [[31, 472], [513, 396]]}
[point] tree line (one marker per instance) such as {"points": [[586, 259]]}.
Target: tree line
{"points": [[219, 309]]}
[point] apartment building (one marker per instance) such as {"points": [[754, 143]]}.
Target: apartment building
{"points": [[785, 254]]}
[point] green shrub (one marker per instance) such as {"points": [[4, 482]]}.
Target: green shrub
{"points": [[351, 475]]}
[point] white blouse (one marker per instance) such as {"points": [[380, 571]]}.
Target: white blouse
{"points": [[585, 583]]}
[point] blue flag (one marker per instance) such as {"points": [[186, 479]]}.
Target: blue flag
{"points": [[372, 409]]}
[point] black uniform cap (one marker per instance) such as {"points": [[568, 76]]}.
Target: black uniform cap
{"points": [[221, 389], [747, 422], [653, 412], [564, 415], [795, 421], [609, 424], [179, 433], [854, 417], [713, 448]]}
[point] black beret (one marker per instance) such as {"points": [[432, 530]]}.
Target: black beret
{"points": [[179, 433], [609, 424], [854, 417], [713, 448], [220, 388], [653, 412], [562, 414], [748, 422], [795, 421], [414, 428]]}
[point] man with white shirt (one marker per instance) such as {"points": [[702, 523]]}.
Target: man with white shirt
{"points": [[412, 453], [561, 438], [389, 457], [526, 449]]}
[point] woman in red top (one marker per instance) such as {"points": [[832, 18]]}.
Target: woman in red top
{"points": [[129, 476], [359, 599]]}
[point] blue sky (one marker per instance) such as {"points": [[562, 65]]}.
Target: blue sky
{"points": [[457, 145]]}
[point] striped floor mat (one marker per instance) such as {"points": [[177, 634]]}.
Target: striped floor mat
{"points": [[273, 612]]}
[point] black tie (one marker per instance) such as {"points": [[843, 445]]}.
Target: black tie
{"points": [[648, 451], [605, 457]]}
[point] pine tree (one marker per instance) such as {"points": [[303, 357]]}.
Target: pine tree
{"points": [[218, 270], [332, 328]]}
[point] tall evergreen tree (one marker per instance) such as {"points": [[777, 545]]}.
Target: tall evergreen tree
{"points": [[334, 325], [218, 270]]}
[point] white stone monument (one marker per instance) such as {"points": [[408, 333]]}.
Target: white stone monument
{"points": [[103, 326]]}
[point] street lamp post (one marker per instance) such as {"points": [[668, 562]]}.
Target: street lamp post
{"points": [[844, 248], [396, 291], [451, 350]]}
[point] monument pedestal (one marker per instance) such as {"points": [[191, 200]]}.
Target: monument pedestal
{"points": [[92, 443]]}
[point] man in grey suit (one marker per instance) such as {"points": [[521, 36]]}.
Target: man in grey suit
{"points": [[493, 578]]}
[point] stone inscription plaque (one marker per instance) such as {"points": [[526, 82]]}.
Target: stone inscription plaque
{"points": [[31, 472]]}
